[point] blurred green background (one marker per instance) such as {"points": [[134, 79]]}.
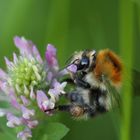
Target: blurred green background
{"points": [[76, 25]]}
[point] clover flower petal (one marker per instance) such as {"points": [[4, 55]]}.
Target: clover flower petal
{"points": [[58, 88], [24, 135], [43, 101], [23, 45], [30, 123], [13, 99], [3, 75], [37, 55], [25, 101], [50, 56], [50, 76], [27, 113], [13, 120], [72, 68], [3, 86]]}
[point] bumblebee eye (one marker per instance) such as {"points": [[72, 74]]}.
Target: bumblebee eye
{"points": [[84, 63]]}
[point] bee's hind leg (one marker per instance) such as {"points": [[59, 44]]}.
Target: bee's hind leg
{"points": [[73, 109], [79, 107]]}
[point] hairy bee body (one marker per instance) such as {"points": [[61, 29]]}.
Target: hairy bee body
{"points": [[99, 71]]}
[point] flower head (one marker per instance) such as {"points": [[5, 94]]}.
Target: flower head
{"points": [[26, 82]]}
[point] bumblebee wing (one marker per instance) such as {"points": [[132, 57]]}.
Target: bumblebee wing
{"points": [[114, 96]]}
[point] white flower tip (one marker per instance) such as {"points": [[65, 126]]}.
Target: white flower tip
{"points": [[27, 113], [9, 124], [52, 105], [8, 62], [48, 105], [53, 98], [23, 39], [15, 58], [32, 94], [51, 48], [63, 92], [2, 113], [64, 84]]}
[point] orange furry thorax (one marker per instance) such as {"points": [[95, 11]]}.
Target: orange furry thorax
{"points": [[109, 65]]}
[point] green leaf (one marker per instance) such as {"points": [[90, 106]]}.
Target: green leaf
{"points": [[55, 131], [4, 136]]}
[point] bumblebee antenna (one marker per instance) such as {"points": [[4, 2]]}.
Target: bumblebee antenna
{"points": [[66, 62]]}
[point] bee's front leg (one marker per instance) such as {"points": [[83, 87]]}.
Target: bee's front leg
{"points": [[82, 83]]}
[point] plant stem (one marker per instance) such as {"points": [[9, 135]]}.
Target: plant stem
{"points": [[126, 47]]}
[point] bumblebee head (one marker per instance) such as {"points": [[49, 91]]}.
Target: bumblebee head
{"points": [[84, 60]]}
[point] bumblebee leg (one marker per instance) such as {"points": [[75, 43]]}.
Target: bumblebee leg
{"points": [[73, 109], [77, 111], [79, 107], [64, 107], [68, 80], [81, 110], [82, 83]]}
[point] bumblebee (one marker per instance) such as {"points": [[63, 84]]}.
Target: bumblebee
{"points": [[97, 81]]}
